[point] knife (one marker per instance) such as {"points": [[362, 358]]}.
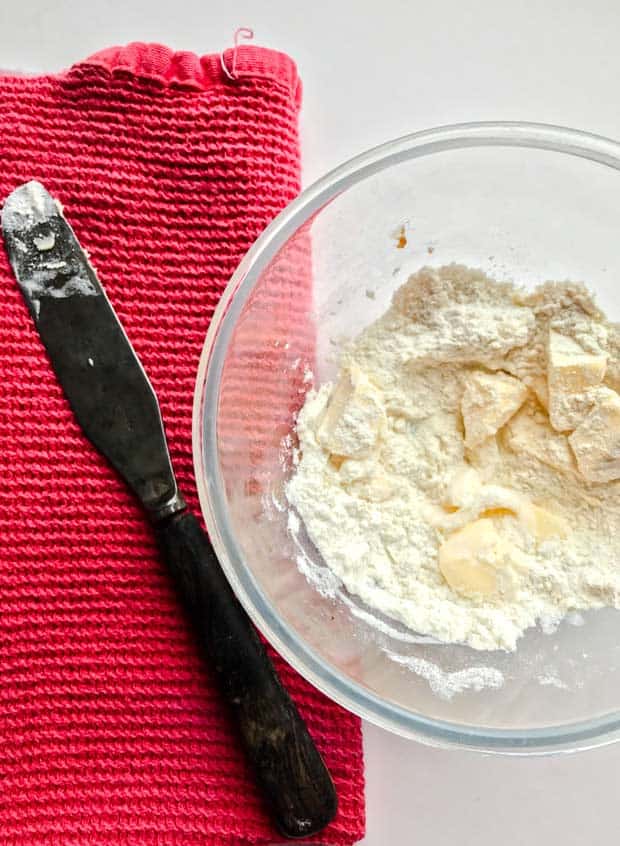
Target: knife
{"points": [[117, 409]]}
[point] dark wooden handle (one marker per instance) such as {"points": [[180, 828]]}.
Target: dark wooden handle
{"points": [[289, 769]]}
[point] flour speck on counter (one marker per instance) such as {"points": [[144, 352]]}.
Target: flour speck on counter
{"points": [[462, 475]]}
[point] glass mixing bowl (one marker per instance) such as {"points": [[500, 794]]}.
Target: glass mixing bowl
{"points": [[521, 201]]}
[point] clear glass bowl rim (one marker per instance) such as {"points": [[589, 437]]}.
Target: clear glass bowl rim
{"points": [[585, 734]]}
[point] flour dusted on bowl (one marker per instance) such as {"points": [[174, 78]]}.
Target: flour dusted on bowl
{"points": [[462, 474]]}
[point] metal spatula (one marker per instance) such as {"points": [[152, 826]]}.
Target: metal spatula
{"points": [[116, 407]]}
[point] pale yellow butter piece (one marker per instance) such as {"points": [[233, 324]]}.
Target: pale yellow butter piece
{"points": [[529, 433], [464, 508], [473, 560], [596, 441], [571, 374], [489, 401], [543, 524], [354, 417]]}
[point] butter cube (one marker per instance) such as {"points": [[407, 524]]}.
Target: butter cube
{"points": [[571, 373], [529, 433], [543, 524], [596, 441], [489, 401], [473, 561], [354, 417]]}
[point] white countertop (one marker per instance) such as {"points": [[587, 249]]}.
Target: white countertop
{"points": [[373, 70]]}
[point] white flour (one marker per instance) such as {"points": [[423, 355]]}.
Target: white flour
{"points": [[431, 479]]}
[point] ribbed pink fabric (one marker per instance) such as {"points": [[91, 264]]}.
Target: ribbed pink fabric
{"points": [[110, 730]]}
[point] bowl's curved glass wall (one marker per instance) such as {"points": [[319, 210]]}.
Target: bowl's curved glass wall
{"points": [[489, 197]]}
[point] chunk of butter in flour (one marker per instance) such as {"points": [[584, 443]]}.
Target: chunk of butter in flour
{"points": [[477, 561], [596, 441], [474, 561], [489, 401], [354, 417], [543, 524], [571, 373], [529, 433]]}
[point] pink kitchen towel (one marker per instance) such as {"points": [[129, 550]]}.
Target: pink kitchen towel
{"points": [[110, 730]]}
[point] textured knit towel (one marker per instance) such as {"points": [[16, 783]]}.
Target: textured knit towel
{"points": [[110, 731]]}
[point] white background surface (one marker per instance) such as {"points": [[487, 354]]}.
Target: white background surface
{"points": [[372, 71]]}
